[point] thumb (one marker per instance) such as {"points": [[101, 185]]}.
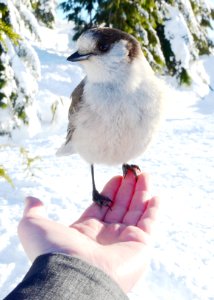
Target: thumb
{"points": [[30, 227], [33, 208]]}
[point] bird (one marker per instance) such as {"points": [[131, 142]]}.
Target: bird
{"points": [[118, 106]]}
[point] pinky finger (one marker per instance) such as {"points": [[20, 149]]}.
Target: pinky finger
{"points": [[149, 217]]}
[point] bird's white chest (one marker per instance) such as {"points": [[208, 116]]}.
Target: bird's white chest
{"points": [[112, 127]]}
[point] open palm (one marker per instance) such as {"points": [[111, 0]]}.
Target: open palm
{"points": [[115, 240]]}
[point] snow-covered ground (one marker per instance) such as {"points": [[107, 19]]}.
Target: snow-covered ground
{"points": [[181, 164]]}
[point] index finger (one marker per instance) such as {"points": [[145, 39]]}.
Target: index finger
{"points": [[109, 190]]}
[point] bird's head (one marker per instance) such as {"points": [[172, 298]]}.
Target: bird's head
{"points": [[106, 53]]}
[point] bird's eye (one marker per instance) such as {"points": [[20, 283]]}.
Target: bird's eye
{"points": [[103, 47]]}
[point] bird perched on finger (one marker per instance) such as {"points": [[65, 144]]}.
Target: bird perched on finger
{"points": [[117, 108]]}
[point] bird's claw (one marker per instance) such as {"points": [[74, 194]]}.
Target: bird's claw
{"points": [[132, 168], [101, 200]]}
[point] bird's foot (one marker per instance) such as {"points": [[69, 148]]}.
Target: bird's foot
{"points": [[101, 200], [132, 168]]}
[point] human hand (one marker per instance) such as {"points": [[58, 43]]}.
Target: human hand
{"points": [[116, 241]]}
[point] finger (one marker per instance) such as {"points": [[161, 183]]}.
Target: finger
{"points": [[33, 208], [34, 212], [138, 202], [147, 220], [141, 190], [122, 199], [110, 190]]}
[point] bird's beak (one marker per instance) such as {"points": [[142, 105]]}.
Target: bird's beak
{"points": [[76, 56]]}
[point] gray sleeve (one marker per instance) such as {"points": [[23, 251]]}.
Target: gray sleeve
{"points": [[57, 276]]}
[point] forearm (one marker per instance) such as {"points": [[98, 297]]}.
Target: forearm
{"points": [[58, 276]]}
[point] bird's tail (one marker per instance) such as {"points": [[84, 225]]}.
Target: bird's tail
{"points": [[65, 150]]}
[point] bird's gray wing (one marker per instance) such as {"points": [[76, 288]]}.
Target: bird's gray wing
{"points": [[77, 98]]}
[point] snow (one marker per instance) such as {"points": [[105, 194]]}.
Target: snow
{"points": [[180, 162], [177, 31]]}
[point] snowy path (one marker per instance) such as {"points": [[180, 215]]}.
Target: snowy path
{"points": [[181, 163]]}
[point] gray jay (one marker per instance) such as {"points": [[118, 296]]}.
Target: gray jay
{"points": [[117, 108]]}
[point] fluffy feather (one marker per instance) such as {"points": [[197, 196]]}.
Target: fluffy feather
{"points": [[122, 105]]}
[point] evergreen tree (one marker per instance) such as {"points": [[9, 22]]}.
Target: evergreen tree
{"points": [[19, 63], [157, 24], [81, 12], [44, 11], [5, 30]]}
